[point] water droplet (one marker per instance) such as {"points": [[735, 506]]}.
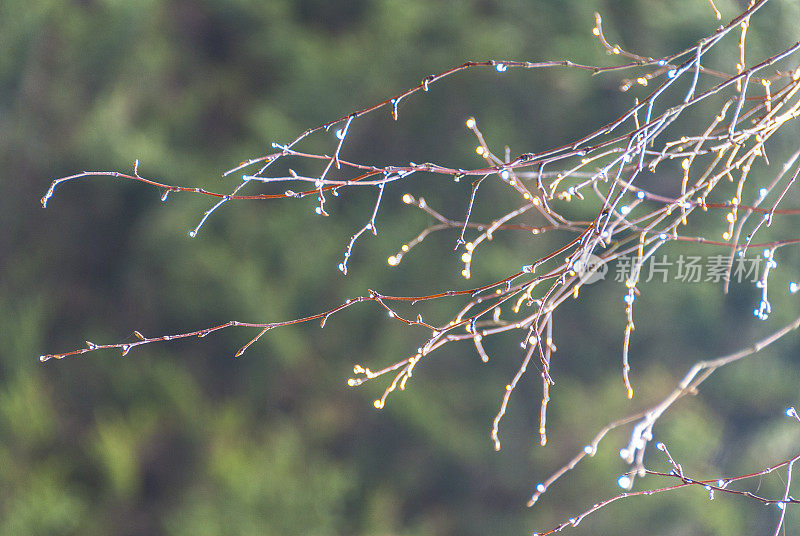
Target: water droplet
{"points": [[624, 210], [628, 299], [640, 195], [671, 73], [504, 174], [661, 63], [762, 192], [192, 233], [660, 446], [343, 268], [528, 269], [588, 449], [781, 505], [164, 195], [623, 453], [501, 67], [318, 210], [624, 482], [125, 349], [340, 134], [794, 287]]}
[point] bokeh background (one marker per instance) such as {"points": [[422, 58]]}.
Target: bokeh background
{"points": [[181, 438]]}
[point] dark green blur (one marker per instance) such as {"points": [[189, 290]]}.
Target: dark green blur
{"points": [[180, 438]]}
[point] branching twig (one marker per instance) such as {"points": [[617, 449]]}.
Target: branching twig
{"points": [[601, 170]]}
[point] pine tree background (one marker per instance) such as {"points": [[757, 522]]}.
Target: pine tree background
{"points": [[180, 438]]}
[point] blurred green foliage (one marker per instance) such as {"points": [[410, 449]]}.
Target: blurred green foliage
{"points": [[181, 438]]}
